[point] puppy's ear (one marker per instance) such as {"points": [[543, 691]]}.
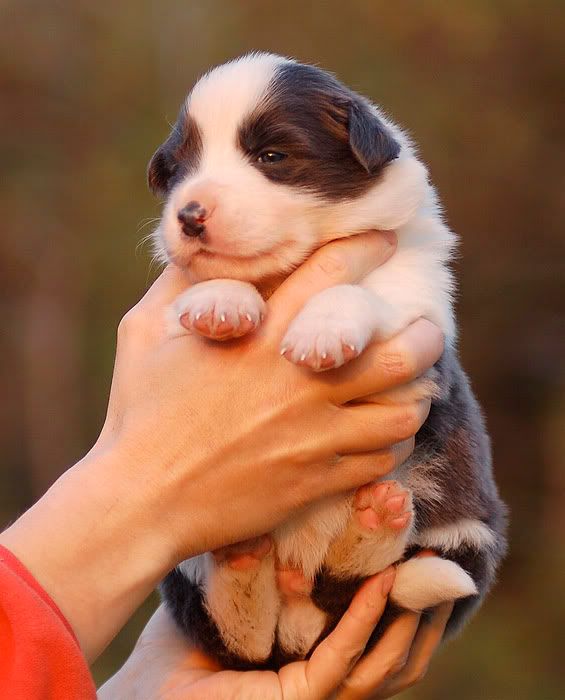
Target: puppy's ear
{"points": [[370, 140], [160, 170]]}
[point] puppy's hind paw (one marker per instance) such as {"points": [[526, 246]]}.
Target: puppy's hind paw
{"points": [[386, 505]]}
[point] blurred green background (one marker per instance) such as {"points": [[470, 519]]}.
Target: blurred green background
{"points": [[87, 91]]}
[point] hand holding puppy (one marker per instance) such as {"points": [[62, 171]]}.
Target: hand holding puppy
{"points": [[201, 446]]}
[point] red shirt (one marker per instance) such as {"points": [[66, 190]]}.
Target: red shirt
{"points": [[40, 658]]}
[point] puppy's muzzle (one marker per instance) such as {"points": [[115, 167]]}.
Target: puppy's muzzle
{"points": [[192, 218]]}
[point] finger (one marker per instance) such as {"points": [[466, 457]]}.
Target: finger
{"points": [[345, 261], [368, 427], [386, 365], [334, 657], [170, 283], [427, 639], [385, 660], [352, 471], [147, 318]]}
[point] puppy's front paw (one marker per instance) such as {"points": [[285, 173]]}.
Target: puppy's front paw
{"points": [[321, 343], [220, 309], [333, 328]]}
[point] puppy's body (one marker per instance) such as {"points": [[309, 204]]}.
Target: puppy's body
{"points": [[270, 159]]}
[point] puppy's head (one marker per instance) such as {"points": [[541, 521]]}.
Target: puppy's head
{"points": [[269, 159]]}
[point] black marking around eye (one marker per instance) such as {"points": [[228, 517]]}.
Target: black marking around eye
{"points": [[308, 114], [178, 156]]}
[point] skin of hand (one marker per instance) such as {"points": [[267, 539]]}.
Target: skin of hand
{"points": [[164, 666], [206, 444]]}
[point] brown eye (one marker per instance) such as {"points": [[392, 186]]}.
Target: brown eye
{"points": [[271, 157]]}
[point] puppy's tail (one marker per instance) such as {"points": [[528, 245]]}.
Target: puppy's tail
{"points": [[424, 582]]}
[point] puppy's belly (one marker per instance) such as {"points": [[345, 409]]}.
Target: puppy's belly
{"points": [[303, 542]]}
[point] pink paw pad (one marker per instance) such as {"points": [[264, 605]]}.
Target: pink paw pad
{"points": [[383, 505], [244, 555], [321, 360], [218, 327]]}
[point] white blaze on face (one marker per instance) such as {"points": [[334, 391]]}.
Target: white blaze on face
{"points": [[255, 228], [222, 99]]}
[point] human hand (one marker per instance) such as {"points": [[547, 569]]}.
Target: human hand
{"points": [[165, 666]]}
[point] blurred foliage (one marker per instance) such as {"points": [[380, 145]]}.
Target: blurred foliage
{"points": [[87, 91]]}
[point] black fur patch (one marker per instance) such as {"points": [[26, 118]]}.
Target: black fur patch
{"points": [[453, 450], [178, 156], [335, 146]]}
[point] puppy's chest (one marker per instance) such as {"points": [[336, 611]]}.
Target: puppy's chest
{"points": [[303, 541]]}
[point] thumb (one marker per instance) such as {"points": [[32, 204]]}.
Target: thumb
{"points": [[345, 261]]}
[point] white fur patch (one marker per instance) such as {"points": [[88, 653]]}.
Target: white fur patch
{"points": [[300, 624], [303, 541], [470, 532], [424, 582], [226, 300], [227, 93], [244, 605]]}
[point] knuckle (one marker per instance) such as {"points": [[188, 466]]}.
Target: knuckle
{"points": [[436, 336], [418, 675], [413, 677], [399, 365], [397, 665], [332, 263], [132, 323], [408, 421], [356, 685], [388, 461]]}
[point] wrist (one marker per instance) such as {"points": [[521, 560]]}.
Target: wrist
{"points": [[93, 543]]}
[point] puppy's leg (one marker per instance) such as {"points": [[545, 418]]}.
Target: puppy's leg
{"points": [[243, 600], [301, 621], [232, 605], [217, 309], [377, 533]]}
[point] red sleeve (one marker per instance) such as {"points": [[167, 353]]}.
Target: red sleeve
{"points": [[40, 658]]}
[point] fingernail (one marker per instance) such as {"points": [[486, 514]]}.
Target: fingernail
{"points": [[390, 237], [387, 579]]}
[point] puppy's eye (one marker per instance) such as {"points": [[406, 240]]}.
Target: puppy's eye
{"points": [[271, 157]]}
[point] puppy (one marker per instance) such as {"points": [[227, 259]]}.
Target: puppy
{"points": [[270, 159]]}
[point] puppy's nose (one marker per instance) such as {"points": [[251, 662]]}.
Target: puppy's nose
{"points": [[192, 218]]}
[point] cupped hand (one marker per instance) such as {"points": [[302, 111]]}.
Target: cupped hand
{"points": [[165, 666], [234, 438]]}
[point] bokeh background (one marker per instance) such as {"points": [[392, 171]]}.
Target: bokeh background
{"points": [[87, 91]]}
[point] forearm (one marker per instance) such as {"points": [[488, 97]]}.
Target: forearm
{"points": [[93, 544]]}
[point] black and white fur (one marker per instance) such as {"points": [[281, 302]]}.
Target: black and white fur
{"points": [[240, 219]]}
